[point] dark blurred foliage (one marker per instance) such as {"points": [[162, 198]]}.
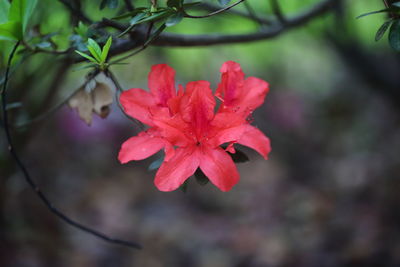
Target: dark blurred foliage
{"points": [[328, 195]]}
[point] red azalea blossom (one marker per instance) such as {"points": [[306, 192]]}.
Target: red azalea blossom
{"points": [[186, 126]]}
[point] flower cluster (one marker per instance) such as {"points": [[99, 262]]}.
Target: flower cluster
{"points": [[185, 124]]}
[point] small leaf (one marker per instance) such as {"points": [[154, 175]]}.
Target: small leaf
{"points": [[201, 178], [81, 30], [106, 48], [396, 4], [239, 156], [94, 49], [174, 19], [382, 29], [374, 12], [394, 35], [157, 16], [223, 2], [136, 18], [86, 56], [155, 34]]}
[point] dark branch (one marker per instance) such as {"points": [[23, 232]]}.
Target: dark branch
{"points": [[32, 183], [170, 39], [76, 12], [211, 7]]}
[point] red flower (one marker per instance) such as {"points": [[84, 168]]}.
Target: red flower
{"points": [[185, 125]]}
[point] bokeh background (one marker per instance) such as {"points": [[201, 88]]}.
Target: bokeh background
{"points": [[328, 195]]}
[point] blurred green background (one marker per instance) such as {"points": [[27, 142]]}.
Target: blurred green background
{"points": [[328, 195]]}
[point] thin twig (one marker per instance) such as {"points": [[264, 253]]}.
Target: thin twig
{"points": [[215, 12], [31, 182], [252, 14], [76, 12], [276, 9], [118, 92], [129, 5], [212, 7]]}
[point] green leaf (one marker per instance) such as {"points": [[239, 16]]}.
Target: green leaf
{"points": [[136, 18], [11, 31], [4, 8], [109, 3], [223, 2], [396, 4], [382, 29], [106, 48], [81, 29], [86, 56], [201, 178], [94, 49], [157, 16], [175, 3], [374, 12], [174, 19], [21, 10], [394, 35], [155, 34]]}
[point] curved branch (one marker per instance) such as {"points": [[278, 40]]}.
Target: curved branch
{"points": [[171, 39], [219, 11]]}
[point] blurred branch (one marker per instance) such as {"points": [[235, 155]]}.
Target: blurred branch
{"points": [[138, 34], [76, 12], [28, 177], [215, 12], [276, 9], [129, 5], [211, 7], [170, 39]]}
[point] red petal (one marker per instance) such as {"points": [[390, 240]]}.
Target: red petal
{"points": [[231, 83], [254, 92], [137, 104], [226, 127], [197, 106], [140, 147], [219, 167], [181, 166], [162, 83], [239, 95], [256, 140]]}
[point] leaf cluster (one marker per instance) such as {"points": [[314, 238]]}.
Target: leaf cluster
{"points": [[393, 24]]}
